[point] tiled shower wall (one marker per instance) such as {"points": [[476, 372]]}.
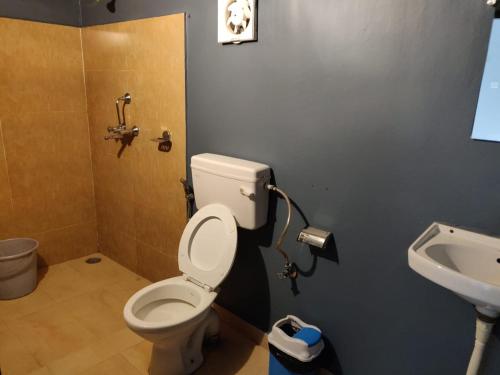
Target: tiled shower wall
{"points": [[139, 199], [51, 168], [45, 166]]}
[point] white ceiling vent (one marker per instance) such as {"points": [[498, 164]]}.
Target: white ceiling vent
{"points": [[237, 21]]}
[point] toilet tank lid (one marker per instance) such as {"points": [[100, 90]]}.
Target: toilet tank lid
{"points": [[226, 166]]}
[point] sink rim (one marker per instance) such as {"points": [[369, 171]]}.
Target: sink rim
{"points": [[479, 292]]}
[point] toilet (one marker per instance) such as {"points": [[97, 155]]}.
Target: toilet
{"points": [[175, 314]]}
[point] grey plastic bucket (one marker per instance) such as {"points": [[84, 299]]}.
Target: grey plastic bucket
{"points": [[18, 267]]}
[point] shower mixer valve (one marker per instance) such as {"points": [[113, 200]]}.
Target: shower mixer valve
{"points": [[121, 131]]}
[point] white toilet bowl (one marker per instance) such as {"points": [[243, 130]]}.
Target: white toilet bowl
{"points": [[175, 314]]}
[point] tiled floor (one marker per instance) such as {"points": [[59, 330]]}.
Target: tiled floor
{"points": [[72, 324]]}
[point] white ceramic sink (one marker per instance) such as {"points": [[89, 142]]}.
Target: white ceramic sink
{"points": [[462, 261]]}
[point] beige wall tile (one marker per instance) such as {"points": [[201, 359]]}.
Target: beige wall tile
{"points": [[45, 150], [46, 180], [115, 210], [107, 46], [155, 265], [22, 89], [114, 174], [153, 227], [5, 193], [145, 37], [118, 245], [66, 243], [50, 194], [43, 45], [140, 202], [31, 69]]}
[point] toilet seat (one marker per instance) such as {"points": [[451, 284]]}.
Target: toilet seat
{"points": [[206, 254], [173, 289], [208, 246]]}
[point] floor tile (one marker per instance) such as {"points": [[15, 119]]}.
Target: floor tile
{"points": [[234, 354], [14, 358], [73, 324], [104, 273], [62, 281], [31, 303], [123, 291], [51, 333], [115, 343], [139, 356], [41, 371], [114, 365], [74, 362], [99, 311], [94, 353]]}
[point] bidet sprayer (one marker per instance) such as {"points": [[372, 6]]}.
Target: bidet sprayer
{"points": [[289, 269]]}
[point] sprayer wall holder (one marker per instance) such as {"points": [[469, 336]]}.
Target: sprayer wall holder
{"points": [[164, 142], [315, 237]]}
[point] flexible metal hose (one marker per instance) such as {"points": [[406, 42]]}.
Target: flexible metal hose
{"points": [[289, 268]]}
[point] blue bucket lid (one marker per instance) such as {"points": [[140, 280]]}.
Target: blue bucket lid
{"points": [[309, 335]]}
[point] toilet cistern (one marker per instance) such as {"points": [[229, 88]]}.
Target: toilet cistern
{"points": [[175, 314]]}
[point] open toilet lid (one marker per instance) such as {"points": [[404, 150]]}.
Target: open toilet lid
{"points": [[208, 245]]}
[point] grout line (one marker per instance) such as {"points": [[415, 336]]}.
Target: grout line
{"points": [[114, 70], [52, 111], [91, 153], [122, 354], [6, 167], [64, 227]]}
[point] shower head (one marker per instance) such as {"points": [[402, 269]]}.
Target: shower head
{"points": [[111, 6]]}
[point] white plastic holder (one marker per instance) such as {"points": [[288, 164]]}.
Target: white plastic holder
{"points": [[491, 2], [294, 347], [237, 21]]}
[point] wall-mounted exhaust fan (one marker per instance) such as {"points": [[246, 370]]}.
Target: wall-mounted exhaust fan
{"points": [[237, 21]]}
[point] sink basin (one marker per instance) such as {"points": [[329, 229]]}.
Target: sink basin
{"points": [[465, 262]]}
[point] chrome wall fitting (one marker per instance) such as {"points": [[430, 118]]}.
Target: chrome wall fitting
{"points": [[164, 142], [315, 237], [121, 131]]}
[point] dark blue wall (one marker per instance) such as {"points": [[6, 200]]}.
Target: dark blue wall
{"points": [[364, 110], [65, 12]]}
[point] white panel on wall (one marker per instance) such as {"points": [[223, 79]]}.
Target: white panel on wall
{"points": [[237, 21]]}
